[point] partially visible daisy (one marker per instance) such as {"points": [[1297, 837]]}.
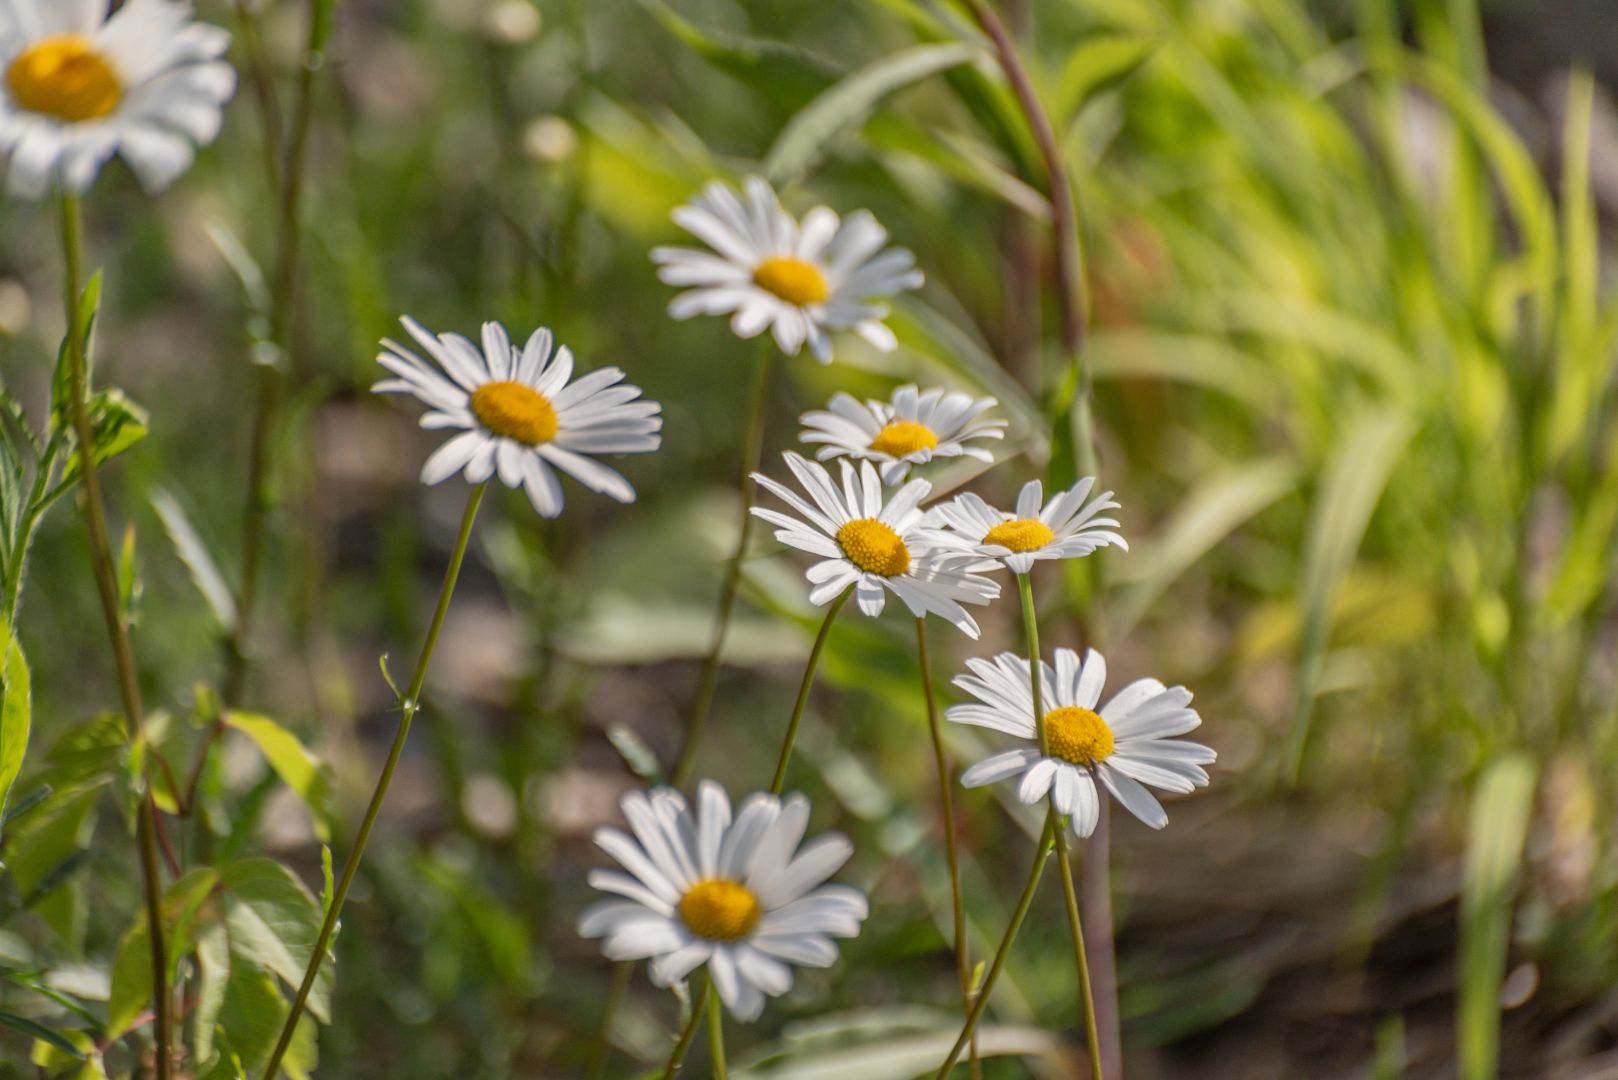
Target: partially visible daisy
{"points": [[802, 282], [1064, 528], [737, 895], [146, 83], [1128, 744], [911, 429], [872, 542], [518, 415]]}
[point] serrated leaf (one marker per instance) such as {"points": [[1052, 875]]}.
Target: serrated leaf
{"points": [[847, 103], [16, 712], [293, 762], [116, 424], [188, 544]]}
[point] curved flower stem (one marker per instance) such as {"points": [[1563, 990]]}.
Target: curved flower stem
{"points": [[410, 705], [123, 652], [1030, 618], [716, 1033], [803, 691], [752, 451], [289, 179], [1047, 840], [688, 1034], [946, 804]]}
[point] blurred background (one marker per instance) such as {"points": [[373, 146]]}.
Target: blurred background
{"points": [[1353, 361]]}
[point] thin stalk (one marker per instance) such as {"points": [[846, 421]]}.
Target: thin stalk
{"points": [[803, 691], [1081, 964], [752, 451], [688, 1034], [952, 855], [1074, 394], [716, 1034], [271, 376], [410, 705], [999, 961], [123, 652]]}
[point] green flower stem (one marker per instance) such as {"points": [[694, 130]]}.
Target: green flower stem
{"points": [[410, 705], [602, 1051], [716, 1033], [1075, 925], [803, 691], [946, 803], [1047, 841], [289, 180], [752, 451], [688, 1034], [123, 653]]}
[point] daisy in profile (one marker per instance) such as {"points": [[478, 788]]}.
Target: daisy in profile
{"points": [[518, 415], [146, 83], [1064, 528], [766, 271], [735, 894], [1129, 744], [912, 428], [872, 542]]}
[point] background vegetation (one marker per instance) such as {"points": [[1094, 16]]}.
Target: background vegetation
{"points": [[1353, 362]]}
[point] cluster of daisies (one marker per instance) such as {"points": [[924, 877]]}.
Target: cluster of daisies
{"points": [[739, 892]]}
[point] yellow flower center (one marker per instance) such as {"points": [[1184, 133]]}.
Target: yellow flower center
{"points": [[1023, 534], [903, 437], [66, 78], [720, 910], [515, 411], [1078, 735], [874, 547], [793, 280]]}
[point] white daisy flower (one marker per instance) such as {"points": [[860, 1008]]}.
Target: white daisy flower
{"points": [[800, 281], [911, 429], [1064, 528], [737, 895], [518, 415], [1128, 744], [872, 543], [146, 83]]}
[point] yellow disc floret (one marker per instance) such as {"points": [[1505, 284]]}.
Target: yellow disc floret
{"points": [[793, 280], [874, 547], [1023, 534], [720, 910], [515, 411], [902, 437], [1078, 735], [64, 77]]}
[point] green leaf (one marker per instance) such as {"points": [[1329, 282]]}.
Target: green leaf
{"points": [[116, 424], [780, 71], [251, 1019], [1502, 805], [194, 553], [42, 1033], [1349, 492], [213, 978], [274, 921], [297, 767], [847, 104], [1096, 65], [131, 989], [16, 712], [89, 308]]}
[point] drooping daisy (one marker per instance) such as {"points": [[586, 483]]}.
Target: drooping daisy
{"points": [[518, 415], [737, 895], [1129, 743], [802, 282], [1065, 528], [146, 83], [872, 542], [911, 429]]}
